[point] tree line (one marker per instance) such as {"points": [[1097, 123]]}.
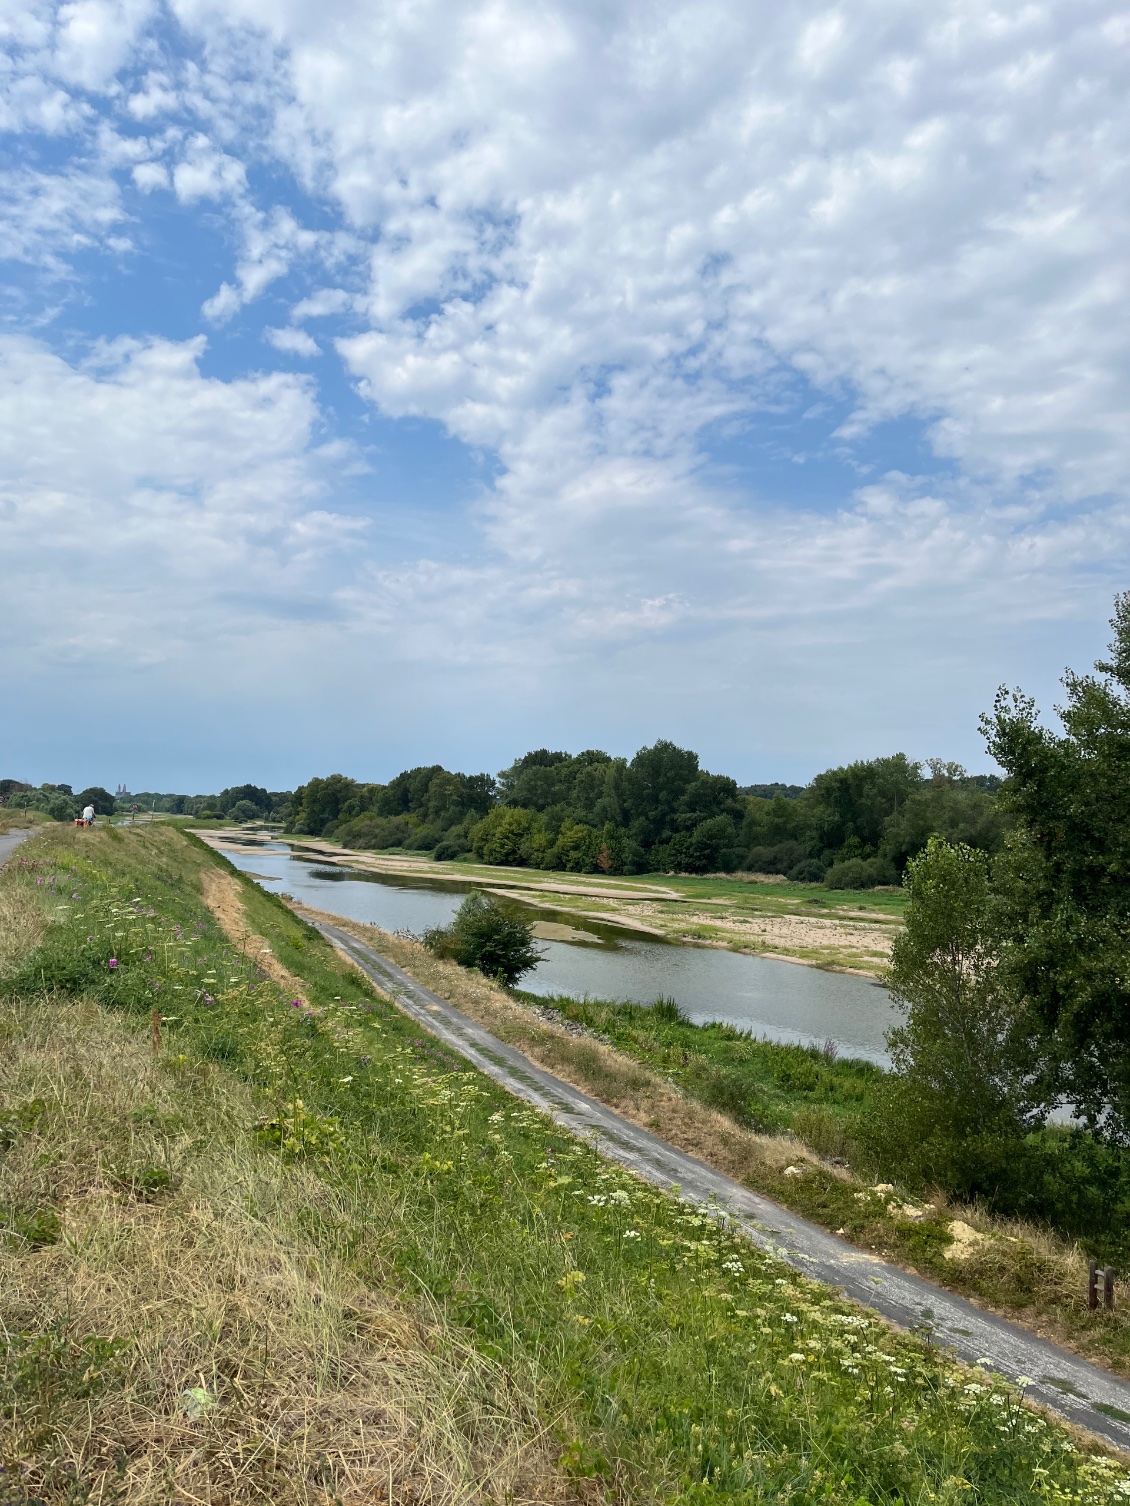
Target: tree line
{"points": [[852, 827], [242, 802]]}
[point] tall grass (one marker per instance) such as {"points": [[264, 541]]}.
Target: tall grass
{"points": [[665, 1359]]}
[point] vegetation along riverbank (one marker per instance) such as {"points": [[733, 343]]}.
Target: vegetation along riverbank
{"points": [[274, 1244]]}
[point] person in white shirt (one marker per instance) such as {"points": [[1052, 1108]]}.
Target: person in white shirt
{"points": [[88, 815]]}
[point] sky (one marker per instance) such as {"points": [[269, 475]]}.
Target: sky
{"points": [[387, 382]]}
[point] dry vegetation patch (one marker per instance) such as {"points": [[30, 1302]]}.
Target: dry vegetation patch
{"points": [[170, 1331], [223, 894]]}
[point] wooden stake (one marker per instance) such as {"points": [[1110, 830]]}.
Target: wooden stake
{"points": [[1108, 1288], [1092, 1284], [155, 1032]]}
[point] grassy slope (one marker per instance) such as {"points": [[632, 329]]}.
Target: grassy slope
{"points": [[685, 1080], [665, 1360]]}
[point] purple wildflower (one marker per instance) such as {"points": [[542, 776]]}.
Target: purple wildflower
{"points": [[113, 962]]}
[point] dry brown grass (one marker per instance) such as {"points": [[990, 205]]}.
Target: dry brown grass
{"points": [[316, 1388], [22, 926], [223, 895]]}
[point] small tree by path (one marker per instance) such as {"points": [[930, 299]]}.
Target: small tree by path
{"points": [[484, 936]]}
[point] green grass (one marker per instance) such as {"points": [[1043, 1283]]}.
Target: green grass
{"points": [[763, 1085], [668, 1360]]}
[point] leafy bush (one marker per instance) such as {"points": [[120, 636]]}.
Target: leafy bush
{"points": [[504, 836], [451, 846], [859, 873], [808, 871], [377, 832], [779, 859], [484, 936]]}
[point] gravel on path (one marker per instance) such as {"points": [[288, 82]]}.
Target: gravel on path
{"points": [[1075, 1389]]}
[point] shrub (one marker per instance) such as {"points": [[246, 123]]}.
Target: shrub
{"points": [[484, 936], [807, 871], [779, 859], [377, 832], [860, 873], [505, 836], [451, 845]]}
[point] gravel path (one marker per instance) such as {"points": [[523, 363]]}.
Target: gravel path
{"points": [[9, 841], [1061, 1381]]}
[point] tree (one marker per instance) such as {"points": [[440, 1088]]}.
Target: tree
{"points": [[1064, 878], [484, 936], [846, 809], [504, 836], [948, 804], [968, 1071], [100, 799], [319, 803], [658, 778]]}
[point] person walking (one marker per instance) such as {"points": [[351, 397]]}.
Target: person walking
{"points": [[88, 815]]}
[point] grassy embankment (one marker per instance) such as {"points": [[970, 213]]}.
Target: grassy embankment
{"points": [[701, 1086], [847, 930], [400, 1285]]}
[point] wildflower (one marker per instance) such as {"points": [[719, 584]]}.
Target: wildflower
{"points": [[632, 1234], [113, 962], [789, 1318]]}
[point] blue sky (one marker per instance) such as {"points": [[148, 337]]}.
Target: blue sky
{"points": [[390, 384]]}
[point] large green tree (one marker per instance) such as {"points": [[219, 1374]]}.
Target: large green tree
{"points": [[969, 1072], [1064, 879]]}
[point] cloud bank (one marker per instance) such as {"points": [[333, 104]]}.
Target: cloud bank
{"points": [[789, 343]]}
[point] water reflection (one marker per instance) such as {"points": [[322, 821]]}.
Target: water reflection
{"points": [[775, 999]]}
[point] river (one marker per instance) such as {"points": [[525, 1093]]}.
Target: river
{"points": [[777, 1000]]}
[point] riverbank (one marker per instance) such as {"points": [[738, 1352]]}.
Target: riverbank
{"points": [[1010, 1267], [842, 931], [544, 1310]]}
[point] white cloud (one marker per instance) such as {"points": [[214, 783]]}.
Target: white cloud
{"points": [[151, 175], [321, 304], [47, 216], [147, 512], [589, 233], [295, 342], [205, 173]]}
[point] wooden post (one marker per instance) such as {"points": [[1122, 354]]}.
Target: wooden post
{"points": [[1092, 1283], [155, 1032], [1108, 1288]]}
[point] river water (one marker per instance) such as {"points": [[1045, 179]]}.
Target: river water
{"points": [[777, 1000]]}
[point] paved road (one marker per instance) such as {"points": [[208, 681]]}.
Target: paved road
{"points": [[9, 841], [1063, 1382]]}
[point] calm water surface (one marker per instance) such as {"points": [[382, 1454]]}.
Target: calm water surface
{"points": [[778, 1000]]}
